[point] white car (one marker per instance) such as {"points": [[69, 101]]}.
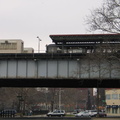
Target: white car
{"points": [[92, 113], [59, 113], [83, 114]]}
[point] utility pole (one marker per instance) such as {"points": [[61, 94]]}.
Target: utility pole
{"points": [[88, 100], [98, 93], [59, 98]]}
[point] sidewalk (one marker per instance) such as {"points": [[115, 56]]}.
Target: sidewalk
{"points": [[35, 116], [106, 118], [94, 118]]}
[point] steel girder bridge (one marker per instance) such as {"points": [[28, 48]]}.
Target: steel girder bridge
{"points": [[57, 70]]}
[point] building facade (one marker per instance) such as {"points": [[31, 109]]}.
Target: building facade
{"points": [[28, 50], [14, 46], [113, 102]]}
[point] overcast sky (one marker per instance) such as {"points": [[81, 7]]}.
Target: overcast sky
{"points": [[27, 19]]}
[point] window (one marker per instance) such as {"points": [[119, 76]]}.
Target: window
{"points": [[108, 97], [8, 46], [114, 110], [58, 111], [108, 110], [114, 96]]}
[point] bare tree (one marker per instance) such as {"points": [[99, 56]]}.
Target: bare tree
{"points": [[11, 97], [106, 18]]}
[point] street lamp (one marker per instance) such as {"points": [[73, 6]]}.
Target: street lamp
{"points": [[19, 98], [39, 44], [60, 95], [59, 98]]}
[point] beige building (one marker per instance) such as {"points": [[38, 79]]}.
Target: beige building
{"points": [[28, 50], [13, 46], [113, 102]]}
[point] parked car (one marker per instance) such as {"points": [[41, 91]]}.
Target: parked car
{"points": [[93, 113], [59, 113], [76, 111], [83, 114], [102, 114]]}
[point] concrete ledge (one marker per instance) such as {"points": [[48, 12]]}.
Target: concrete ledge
{"points": [[106, 118]]}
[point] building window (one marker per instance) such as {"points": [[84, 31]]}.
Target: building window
{"points": [[8, 46], [119, 96], [108, 110], [108, 97], [114, 110], [114, 96]]}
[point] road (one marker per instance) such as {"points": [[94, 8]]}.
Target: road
{"points": [[59, 118], [45, 118]]}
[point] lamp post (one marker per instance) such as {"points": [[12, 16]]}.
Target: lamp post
{"points": [[60, 97], [39, 44], [21, 107], [19, 98]]}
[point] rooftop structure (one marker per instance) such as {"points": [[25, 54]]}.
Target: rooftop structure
{"points": [[83, 43], [28, 50], [85, 37]]}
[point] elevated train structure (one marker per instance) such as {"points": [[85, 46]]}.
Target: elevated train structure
{"points": [[73, 61], [84, 43]]}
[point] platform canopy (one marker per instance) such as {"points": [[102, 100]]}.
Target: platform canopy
{"points": [[85, 38]]}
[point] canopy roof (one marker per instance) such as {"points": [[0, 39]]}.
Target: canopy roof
{"points": [[85, 37]]}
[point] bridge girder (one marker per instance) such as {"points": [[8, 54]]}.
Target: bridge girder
{"points": [[62, 83], [13, 66]]}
